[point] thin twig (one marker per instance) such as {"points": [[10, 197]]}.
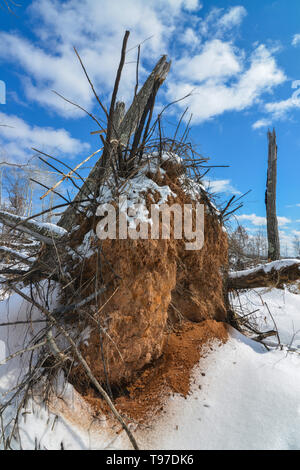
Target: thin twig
{"points": [[68, 175], [83, 363], [91, 84]]}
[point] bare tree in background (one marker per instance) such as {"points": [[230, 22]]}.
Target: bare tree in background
{"points": [[296, 244], [9, 5], [246, 250], [270, 200], [237, 244], [16, 186], [259, 245], [19, 186]]}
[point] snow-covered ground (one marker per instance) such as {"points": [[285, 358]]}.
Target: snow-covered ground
{"points": [[249, 399], [243, 396], [274, 309]]}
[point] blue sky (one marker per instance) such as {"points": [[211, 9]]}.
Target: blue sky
{"points": [[240, 59]]}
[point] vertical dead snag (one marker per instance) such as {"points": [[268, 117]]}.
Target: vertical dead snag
{"points": [[270, 200]]}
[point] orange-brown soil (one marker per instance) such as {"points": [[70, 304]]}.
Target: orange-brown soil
{"points": [[159, 283], [144, 398]]}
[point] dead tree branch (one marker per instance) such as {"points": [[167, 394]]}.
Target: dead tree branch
{"points": [[43, 232], [273, 274], [84, 364]]}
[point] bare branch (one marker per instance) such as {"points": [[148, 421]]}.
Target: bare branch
{"points": [[83, 363], [43, 232], [91, 84], [14, 254]]}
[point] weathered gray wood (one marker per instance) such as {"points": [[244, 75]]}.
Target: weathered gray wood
{"points": [[123, 127], [134, 113], [270, 200], [118, 118], [44, 232], [12, 254], [273, 274]]}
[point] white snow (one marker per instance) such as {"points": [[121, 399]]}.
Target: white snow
{"points": [[249, 398], [274, 265], [278, 309], [20, 254], [12, 338], [85, 248], [52, 228], [134, 189], [132, 194]]}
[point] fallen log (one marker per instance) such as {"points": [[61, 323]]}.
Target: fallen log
{"points": [[14, 255], [273, 274], [42, 231]]}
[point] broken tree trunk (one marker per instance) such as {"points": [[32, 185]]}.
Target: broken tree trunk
{"points": [[273, 274], [68, 262], [270, 200], [124, 125]]}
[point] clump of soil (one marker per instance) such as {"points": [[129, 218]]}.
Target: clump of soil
{"points": [[159, 281], [135, 316], [144, 398]]}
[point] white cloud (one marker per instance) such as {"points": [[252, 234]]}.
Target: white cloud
{"points": [[296, 40], [192, 5], [190, 38], [261, 123], [222, 77], [208, 24], [279, 109], [283, 221], [17, 138], [96, 29], [253, 218], [217, 59], [293, 205], [233, 17], [61, 73], [217, 23], [216, 95], [176, 5], [287, 243], [261, 221], [220, 186]]}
